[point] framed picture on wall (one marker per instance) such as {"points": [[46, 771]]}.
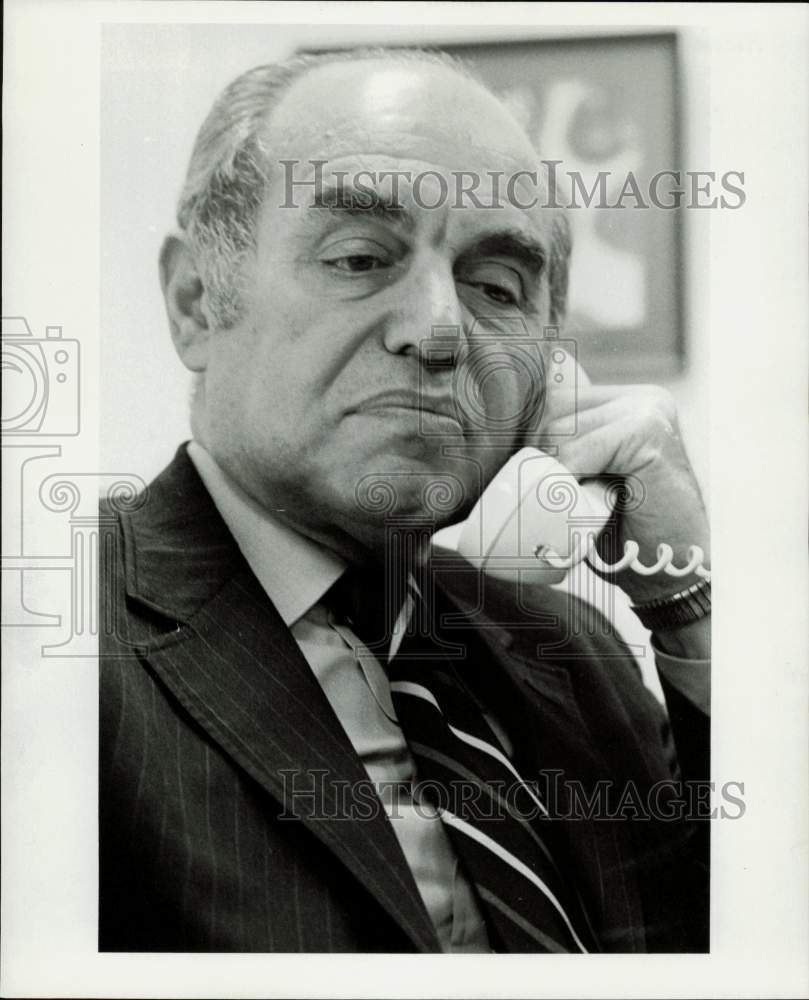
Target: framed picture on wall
{"points": [[604, 111]]}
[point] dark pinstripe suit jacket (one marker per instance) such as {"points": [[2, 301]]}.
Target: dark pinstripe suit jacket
{"points": [[208, 707]]}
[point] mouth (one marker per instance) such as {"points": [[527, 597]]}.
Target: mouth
{"points": [[403, 402]]}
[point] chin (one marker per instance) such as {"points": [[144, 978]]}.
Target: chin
{"points": [[361, 518], [401, 488]]}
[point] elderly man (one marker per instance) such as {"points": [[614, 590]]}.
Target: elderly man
{"points": [[288, 763]]}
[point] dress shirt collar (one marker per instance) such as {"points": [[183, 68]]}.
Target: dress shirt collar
{"points": [[294, 571]]}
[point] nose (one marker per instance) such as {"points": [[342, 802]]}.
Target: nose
{"points": [[428, 305]]}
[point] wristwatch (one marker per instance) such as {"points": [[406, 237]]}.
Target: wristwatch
{"points": [[679, 609]]}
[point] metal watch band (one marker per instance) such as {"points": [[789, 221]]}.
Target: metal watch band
{"points": [[679, 609]]}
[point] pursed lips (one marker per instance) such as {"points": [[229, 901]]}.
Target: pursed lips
{"points": [[442, 406]]}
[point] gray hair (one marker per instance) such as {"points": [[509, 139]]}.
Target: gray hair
{"points": [[227, 177]]}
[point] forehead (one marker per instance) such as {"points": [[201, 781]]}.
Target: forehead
{"points": [[405, 110], [385, 115]]}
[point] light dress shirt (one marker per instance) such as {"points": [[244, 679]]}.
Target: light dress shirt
{"points": [[296, 573]]}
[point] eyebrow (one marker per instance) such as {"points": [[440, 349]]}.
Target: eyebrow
{"points": [[367, 202], [364, 203], [512, 243]]}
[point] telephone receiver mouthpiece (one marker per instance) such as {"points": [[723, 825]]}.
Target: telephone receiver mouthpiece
{"points": [[534, 517]]}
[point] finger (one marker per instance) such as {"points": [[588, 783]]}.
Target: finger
{"points": [[584, 421], [565, 396], [580, 413], [601, 451], [566, 399]]}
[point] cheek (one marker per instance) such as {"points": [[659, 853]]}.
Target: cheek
{"points": [[259, 352], [510, 395], [501, 390], [242, 385]]}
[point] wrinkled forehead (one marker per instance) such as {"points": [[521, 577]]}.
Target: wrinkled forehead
{"points": [[418, 111]]}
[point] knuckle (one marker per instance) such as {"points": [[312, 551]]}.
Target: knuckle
{"points": [[658, 409], [656, 423], [664, 400]]}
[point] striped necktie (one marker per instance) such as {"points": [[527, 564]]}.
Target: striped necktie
{"points": [[495, 820]]}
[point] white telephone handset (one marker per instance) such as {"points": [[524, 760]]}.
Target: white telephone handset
{"points": [[535, 517]]}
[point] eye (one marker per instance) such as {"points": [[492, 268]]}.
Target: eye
{"points": [[356, 255], [495, 293], [357, 263], [499, 283]]}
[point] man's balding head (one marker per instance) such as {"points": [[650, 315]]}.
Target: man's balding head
{"points": [[264, 114]]}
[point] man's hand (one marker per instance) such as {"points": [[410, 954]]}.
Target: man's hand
{"points": [[632, 431]]}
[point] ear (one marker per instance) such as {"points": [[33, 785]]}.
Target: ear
{"points": [[184, 295]]}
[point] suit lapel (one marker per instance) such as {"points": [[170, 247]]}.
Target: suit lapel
{"points": [[236, 669]]}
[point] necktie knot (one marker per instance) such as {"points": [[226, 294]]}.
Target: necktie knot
{"points": [[369, 601]]}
